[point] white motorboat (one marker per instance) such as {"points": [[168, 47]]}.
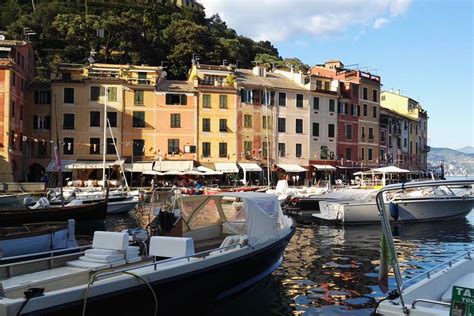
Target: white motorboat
{"points": [[431, 200], [219, 249], [431, 292]]}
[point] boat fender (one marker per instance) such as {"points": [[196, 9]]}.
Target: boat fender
{"points": [[394, 212]]}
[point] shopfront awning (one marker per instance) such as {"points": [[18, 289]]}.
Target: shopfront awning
{"points": [[225, 167], [93, 164], [291, 168], [324, 167], [173, 165], [52, 165], [250, 167], [208, 171], [138, 166]]}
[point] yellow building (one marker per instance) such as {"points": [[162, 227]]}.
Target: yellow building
{"points": [[216, 115], [417, 126], [79, 94]]}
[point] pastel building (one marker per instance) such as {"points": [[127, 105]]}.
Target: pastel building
{"points": [[16, 73]]}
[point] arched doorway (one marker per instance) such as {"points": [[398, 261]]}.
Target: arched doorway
{"points": [[36, 173]]}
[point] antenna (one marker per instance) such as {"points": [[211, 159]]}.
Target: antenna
{"points": [[27, 32]]}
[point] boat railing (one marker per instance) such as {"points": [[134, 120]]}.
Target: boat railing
{"points": [[429, 273], [422, 300], [45, 254], [154, 264]]}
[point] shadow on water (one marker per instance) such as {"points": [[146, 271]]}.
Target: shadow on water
{"points": [[331, 270]]}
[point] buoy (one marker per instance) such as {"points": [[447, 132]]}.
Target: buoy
{"points": [[394, 212]]}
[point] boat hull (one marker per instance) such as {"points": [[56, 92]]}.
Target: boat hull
{"points": [[94, 211], [192, 292], [413, 210], [121, 206]]}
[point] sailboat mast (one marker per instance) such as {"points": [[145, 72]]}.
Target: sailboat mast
{"points": [[267, 118], [57, 153], [104, 147]]}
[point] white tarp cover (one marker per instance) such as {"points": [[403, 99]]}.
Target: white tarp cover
{"points": [[52, 165], [291, 168], [265, 219], [324, 167], [226, 167], [250, 167]]}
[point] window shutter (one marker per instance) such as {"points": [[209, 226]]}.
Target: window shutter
{"points": [[183, 99], [35, 122]]}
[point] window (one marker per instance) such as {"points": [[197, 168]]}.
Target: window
{"points": [[352, 110], [222, 150], [138, 119], [332, 105], [315, 103], [382, 137], [369, 154], [94, 119], [281, 98], [173, 146], [68, 121], [42, 97], [112, 94], [41, 122], [331, 130], [110, 146], [365, 110], [281, 150], [264, 149], [222, 125], [411, 147], [348, 131], [68, 146], [348, 153], [299, 150], [371, 133], [358, 110], [362, 153], [399, 142], [247, 121], [265, 121], [324, 152], [112, 117], [246, 96], [12, 110], [319, 84], [374, 95], [94, 93], [67, 76], [21, 116], [248, 147], [206, 100], [206, 124], [315, 129], [42, 149], [139, 97], [142, 78], [299, 126], [94, 149], [382, 98], [374, 112], [222, 101], [281, 125], [206, 149], [12, 139], [299, 100], [390, 142], [69, 95], [138, 147], [176, 99], [175, 120], [364, 93]]}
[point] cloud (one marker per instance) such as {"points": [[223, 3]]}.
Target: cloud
{"points": [[380, 22], [279, 20]]}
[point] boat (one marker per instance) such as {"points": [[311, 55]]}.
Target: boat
{"points": [[35, 238], [430, 293], [219, 246], [11, 199], [428, 201], [48, 213]]}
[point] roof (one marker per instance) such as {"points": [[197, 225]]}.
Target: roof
{"points": [[12, 43], [175, 85], [214, 67], [246, 77]]}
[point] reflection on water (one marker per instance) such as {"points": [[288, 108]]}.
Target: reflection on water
{"points": [[330, 270]]}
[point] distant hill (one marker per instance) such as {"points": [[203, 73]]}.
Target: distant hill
{"points": [[456, 163], [466, 150]]}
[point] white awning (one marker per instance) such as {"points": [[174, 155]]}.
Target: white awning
{"points": [[52, 165], [173, 165], [291, 168], [208, 171], [390, 169], [93, 164], [226, 167], [138, 166], [250, 167], [324, 167]]}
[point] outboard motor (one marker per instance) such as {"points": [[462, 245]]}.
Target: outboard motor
{"points": [[163, 223], [28, 201]]}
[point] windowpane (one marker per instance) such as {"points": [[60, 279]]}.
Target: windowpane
{"points": [[281, 125], [173, 146], [206, 149], [139, 97], [299, 150], [299, 126], [222, 150], [315, 129], [112, 117], [282, 99], [138, 147], [206, 125], [315, 103], [281, 149], [222, 125], [68, 146], [94, 119], [348, 131], [112, 94], [331, 130], [332, 105], [110, 146], [247, 121], [69, 95], [223, 101], [206, 100], [138, 119], [68, 121], [175, 120], [299, 100], [94, 149], [95, 93]]}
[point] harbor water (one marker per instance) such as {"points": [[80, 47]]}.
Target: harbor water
{"points": [[332, 270]]}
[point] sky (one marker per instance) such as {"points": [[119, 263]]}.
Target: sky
{"points": [[422, 47]]}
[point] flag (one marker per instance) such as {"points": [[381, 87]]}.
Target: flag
{"points": [[387, 256]]}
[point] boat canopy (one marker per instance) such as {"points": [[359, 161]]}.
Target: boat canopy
{"points": [[257, 215]]}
